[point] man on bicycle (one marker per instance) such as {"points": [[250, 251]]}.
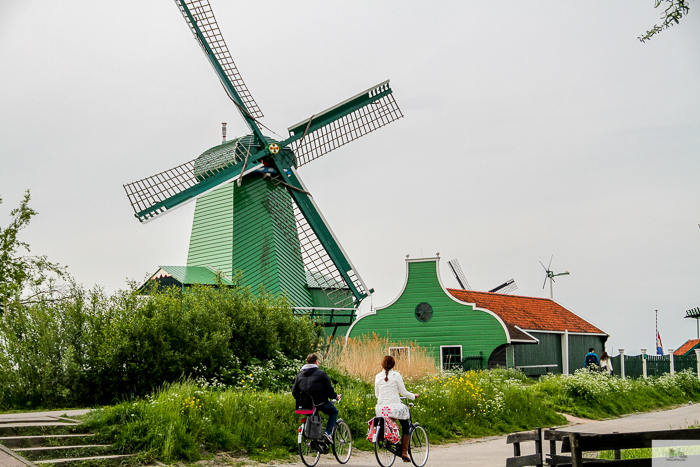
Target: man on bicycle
{"points": [[315, 383]]}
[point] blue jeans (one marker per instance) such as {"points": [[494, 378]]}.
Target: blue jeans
{"points": [[329, 409]]}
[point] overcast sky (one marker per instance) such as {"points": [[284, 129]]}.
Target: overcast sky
{"points": [[531, 129]]}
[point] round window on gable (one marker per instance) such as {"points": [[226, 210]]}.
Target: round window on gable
{"points": [[424, 312]]}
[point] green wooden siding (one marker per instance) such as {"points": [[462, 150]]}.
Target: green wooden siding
{"points": [[578, 348], [251, 229], [452, 323], [265, 242], [211, 240], [547, 352]]}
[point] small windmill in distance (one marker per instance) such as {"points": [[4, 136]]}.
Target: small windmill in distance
{"points": [[505, 288], [551, 276]]}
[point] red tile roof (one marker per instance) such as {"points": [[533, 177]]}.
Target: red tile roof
{"points": [[687, 347], [528, 313]]}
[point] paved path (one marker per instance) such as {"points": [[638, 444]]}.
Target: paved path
{"points": [[493, 451]]}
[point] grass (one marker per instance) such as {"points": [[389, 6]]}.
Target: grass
{"points": [[189, 419], [185, 421], [361, 358]]}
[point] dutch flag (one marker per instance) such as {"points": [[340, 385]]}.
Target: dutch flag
{"points": [[659, 345]]}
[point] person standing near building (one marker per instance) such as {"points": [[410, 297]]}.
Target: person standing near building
{"points": [[606, 363], [592, 362]]}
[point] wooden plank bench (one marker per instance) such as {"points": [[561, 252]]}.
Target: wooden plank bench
{"points": [[532, 459], [578, 443]]}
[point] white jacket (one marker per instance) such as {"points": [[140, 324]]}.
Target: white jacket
{"points": [[387, 392]]}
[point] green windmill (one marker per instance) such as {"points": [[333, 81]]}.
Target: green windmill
{"points": [[253, 212]]}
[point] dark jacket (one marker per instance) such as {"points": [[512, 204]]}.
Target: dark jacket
{"points": [[591, 359], [314, 382]]}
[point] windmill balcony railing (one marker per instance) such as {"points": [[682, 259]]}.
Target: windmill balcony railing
{"points": [[328, 316]]}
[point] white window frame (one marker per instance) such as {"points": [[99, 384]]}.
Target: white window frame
{"points": [[399, 351], [442, 367]]}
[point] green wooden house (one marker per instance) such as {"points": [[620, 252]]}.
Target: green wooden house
{"points": [[562, 337], [426, 313], [688, 348], [536, 335], [184, 277]]}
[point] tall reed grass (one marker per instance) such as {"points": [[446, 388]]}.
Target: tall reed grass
{"points": [[361, 357]]}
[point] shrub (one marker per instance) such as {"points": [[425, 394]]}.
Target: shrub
{"points": [[93, 348]]}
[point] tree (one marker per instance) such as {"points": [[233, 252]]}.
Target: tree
{"points": [[26, 279], [672, 15]]}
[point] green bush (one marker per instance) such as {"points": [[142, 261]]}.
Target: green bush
{"points": [[597, 395], [94, 349]]}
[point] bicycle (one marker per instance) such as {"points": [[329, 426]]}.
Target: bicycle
{"points": [[310, 450], [418, 447]]}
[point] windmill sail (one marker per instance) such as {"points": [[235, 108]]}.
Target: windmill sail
{"points": [[321, 269], [156, 195], [321, 250], [201, 19], [345, 122], [505, 288], [459, 275]]}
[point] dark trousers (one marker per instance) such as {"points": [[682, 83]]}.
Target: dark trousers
{"points": [[329, 409], [404, 426]]}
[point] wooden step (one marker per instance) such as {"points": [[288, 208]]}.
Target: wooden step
{"points": [[27, 419], [82, 459], [10, 438], [21, 425], [53, 448], [37, 440]]}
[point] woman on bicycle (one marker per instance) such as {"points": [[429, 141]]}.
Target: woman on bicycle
{"points": [[388, 388]]}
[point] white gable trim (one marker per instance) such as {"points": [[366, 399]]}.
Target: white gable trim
{"points": [[570, 333], [526, 333]]}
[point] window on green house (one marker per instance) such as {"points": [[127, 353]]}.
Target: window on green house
{"points": [[401, 353], [451, 356]]}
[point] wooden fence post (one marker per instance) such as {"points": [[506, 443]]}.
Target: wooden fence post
{"points": [[670, 359], [576, 454], [622, 363]]}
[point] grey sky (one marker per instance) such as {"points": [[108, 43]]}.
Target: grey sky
{"points": [[530, 129]]}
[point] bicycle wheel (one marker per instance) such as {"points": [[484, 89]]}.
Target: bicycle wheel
{"points": [[309, 455], [342, 442], [384, 456], [419, 446]]}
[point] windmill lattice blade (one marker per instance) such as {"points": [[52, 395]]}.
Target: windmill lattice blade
{"points": [[505, 288], [320, 266], [148, 192], [459, 275], [341, 131], [204, 16]]}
